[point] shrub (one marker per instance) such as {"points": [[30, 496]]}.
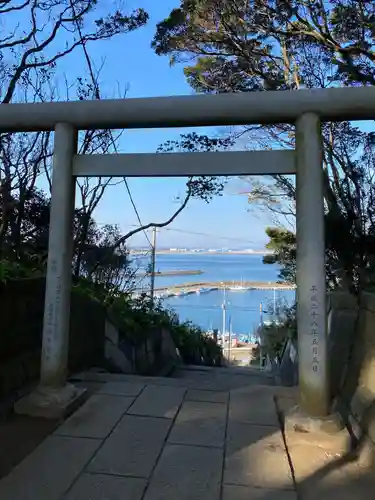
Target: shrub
{"points": [[195, 346], [275, 335], [139, 318], [14, 270]]}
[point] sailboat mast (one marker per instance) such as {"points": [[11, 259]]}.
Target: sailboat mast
{"points": [[274, 301]]}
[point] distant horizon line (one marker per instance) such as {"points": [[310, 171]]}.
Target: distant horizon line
{"points": [[197, 249], [202, 251]]}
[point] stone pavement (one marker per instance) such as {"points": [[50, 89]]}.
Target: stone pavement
{"points": [[203, 435]]}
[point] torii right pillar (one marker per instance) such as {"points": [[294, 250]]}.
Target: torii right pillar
{"points": [[313, 412]]}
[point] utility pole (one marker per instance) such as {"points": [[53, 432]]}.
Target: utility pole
{"points": [[223, 306], [230, 339], [274, 303], [153, 255]]}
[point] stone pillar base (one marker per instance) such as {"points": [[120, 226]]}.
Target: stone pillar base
{"points": [[325, 431], [51, 403], [298, 421]]}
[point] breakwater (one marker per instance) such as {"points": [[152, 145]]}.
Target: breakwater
{"points": [[192, 287]]}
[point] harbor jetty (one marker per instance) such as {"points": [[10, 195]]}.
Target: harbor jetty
{"points": [[217, 285], [208, 286]]}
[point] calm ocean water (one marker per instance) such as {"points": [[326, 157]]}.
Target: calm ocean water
{"points": [[205, 310]]}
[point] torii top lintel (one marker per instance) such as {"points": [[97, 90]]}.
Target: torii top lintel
{"points": [[269, 107]]}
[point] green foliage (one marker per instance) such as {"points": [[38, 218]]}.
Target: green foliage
{"points": [[100, 259], [26, 232], [99, 292], [200, 187], [192, 142], [138, 318], [262, 45], [63, 27], [14, 270], [24, 244], [101, 266], [283, 245], [283, 327], [195, 346], [235, 46], [119, 22]]}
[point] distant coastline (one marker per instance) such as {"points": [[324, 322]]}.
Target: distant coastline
{"points": [[220, 285], [177, 272], [206, 252]]}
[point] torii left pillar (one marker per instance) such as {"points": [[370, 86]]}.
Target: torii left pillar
{"points": [[54, 397]]}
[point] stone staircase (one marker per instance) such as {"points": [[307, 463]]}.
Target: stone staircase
{"points": [[201, 434]]}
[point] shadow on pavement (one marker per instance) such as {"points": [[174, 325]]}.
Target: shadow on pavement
{"points": [[255, 464]]}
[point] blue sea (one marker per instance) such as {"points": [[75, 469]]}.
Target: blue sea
{"points": [[242, 307]]}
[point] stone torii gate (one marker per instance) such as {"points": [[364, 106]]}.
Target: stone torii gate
{"points": [[304, 108]]}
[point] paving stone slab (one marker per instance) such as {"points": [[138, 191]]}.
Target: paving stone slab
{"points": [[338, 487], [205, 385], [51, 404], [286, 392], [97, 417], [157, 401], [234, 492], [310, 459], [209, 396], [121, 388], [200, 423], [286, 404], [334, 444], [121, 377], [104, 487], [165, 381], [133, 447], [49, 471], [233, 382], [215, 382], [319, 475], [186, 473], [328, 475], [255, 456], [254, 407]]}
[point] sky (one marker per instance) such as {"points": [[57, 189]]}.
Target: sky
{"points": [[131, 64]]}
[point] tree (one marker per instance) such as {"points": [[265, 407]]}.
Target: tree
{"points": [[99, 255], [241, 46], [286, 45], [29, 57], [283, 245], [349, 212], [115, 271], [28, 243], [51, 31]]}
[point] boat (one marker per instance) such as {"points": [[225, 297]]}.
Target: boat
{"points": [[237, 288], [269, 322]]}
